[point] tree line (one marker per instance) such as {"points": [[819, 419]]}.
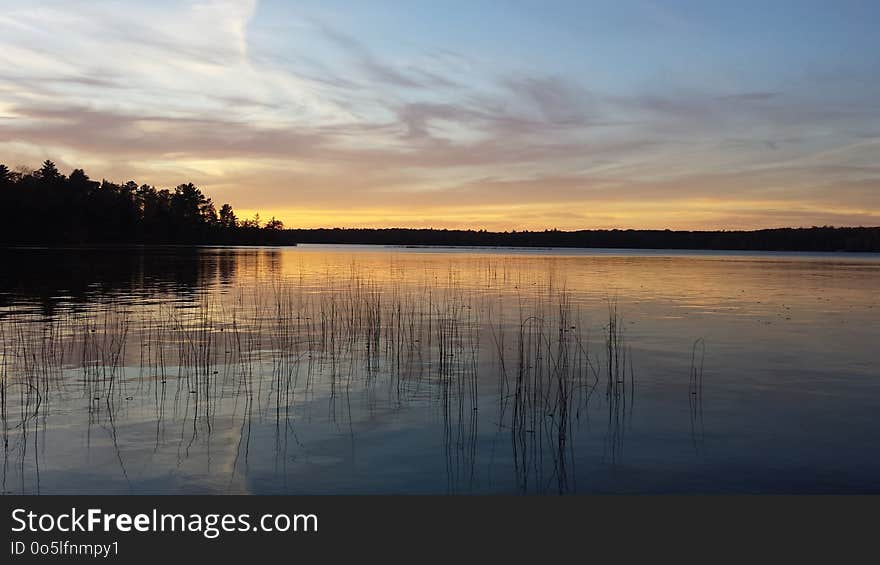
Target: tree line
{"points": [[825, 238], [45, 206]]}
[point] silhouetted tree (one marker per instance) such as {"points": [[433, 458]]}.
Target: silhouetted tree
{"points": [[274, 224], [45, 206], [251, 224], [227, 217], [48, 172]]}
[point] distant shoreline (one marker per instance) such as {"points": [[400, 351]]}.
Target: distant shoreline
{"points": [[816, 239], [828, 239]]}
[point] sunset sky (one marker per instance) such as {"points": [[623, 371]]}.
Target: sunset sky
{"points": [[499, 115]]}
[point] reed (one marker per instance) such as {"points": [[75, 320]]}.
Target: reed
{"points": [[512, 350], [695, 394]]}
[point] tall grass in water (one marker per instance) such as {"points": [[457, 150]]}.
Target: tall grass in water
{"points": [[4, 416], [695, 394], [553, 378], [269, 354], [618, 370], [32, 353]]}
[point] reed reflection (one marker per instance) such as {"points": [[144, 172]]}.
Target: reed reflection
{"points": [[268, 372]]}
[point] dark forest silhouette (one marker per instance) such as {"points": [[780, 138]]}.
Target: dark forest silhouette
{"points": [[782, 239], [46, 207]]}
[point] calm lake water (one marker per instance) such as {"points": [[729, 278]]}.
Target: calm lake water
{"points": [[322, 369]]}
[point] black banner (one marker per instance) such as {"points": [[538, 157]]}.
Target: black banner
{"points": [[393, 529]]}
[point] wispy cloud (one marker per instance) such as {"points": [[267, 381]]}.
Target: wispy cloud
{"points": [[279, 110]]}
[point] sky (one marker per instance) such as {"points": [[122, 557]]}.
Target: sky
{"points": [[460, 114]]}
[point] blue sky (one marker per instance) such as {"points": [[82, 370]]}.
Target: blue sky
{"points": [[504, 115]]}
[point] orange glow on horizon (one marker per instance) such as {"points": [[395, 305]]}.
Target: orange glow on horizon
{"points": [[697, 214]]}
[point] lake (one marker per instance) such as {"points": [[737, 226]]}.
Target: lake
{"points": [[357, 369]]}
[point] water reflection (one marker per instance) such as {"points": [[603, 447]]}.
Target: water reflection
{"points": [[695, 394], [262, 370], [53, 279]]}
